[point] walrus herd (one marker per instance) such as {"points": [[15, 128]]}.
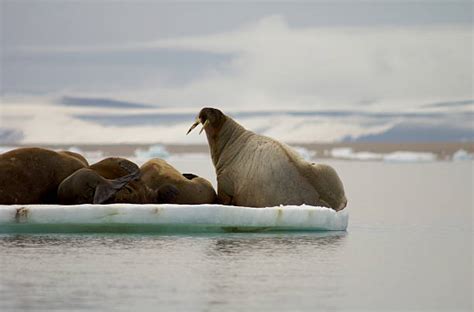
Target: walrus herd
{"points": [[252, 170]]}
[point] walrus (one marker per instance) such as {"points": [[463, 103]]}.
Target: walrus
{"points": [[32, 175], [75, 155], [111, 180], [192, 189], [257, 171], [86, 186], [114, 167]]}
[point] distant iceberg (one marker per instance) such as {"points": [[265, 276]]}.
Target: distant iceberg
{"points": [[348, 153], [399, 156], [462, 155], [154, 151], [91, 156], [307, 154], [409, 157]]}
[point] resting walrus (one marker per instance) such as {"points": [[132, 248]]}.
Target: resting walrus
{"points": [[32, 175], [257, 171], [111, 180], [157, 173]]}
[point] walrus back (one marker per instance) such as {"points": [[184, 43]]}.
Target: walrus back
{"points": [[32, 175], [191, 189], [264, 175]]}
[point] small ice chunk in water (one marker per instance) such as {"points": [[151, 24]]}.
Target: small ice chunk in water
{"points": [[399, 156], [307, 154], [348, 153], [154, 151], [409, 157], [91, 156], [462, 155]]}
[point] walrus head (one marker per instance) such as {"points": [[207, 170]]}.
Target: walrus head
{"points": [[330, 187], [215, 123], [211, 119]]}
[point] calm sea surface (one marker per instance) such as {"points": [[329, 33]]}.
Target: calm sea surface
{"points": [[409, 246]]}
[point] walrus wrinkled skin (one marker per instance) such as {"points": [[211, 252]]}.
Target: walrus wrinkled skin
{"points": [[112, 180], [257, 171], [32, 175], [159, 175]]}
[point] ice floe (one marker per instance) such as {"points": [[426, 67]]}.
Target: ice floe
{"points": [[168, 218]]}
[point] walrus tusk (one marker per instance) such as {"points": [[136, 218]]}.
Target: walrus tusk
{"points": [[197, 122], [204, 125]]}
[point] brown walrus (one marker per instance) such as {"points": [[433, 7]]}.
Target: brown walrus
{"points": [[257, 171], [75, 155], [111, 180], [32, 175], [192, 189]]}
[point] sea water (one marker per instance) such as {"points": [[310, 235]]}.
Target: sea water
{"points": [[408, 247]]}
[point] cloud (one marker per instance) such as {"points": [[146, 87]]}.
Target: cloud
{"points": [[271, 66], [99, 102], [274, 65]]}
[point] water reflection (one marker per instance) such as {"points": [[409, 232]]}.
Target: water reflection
{"points": [[205, 272], [234, 244], [113, 241], [269, 269]]}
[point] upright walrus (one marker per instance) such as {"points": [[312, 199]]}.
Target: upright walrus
{"points": [[191, 189], [257, 171], [32, 175]]}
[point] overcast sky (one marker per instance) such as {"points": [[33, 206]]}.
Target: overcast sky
{"points": [[357, 56], [159, 52]]}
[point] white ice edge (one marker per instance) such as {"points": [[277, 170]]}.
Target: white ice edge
{"points": [[307, 218]]}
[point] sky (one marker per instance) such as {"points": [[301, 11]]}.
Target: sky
{"points": [[297, 71]]}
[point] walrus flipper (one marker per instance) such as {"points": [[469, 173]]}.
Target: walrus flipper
{"points": [[322, 203], [167, 194], [130, 167], [104, 191], [225, 190]]}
